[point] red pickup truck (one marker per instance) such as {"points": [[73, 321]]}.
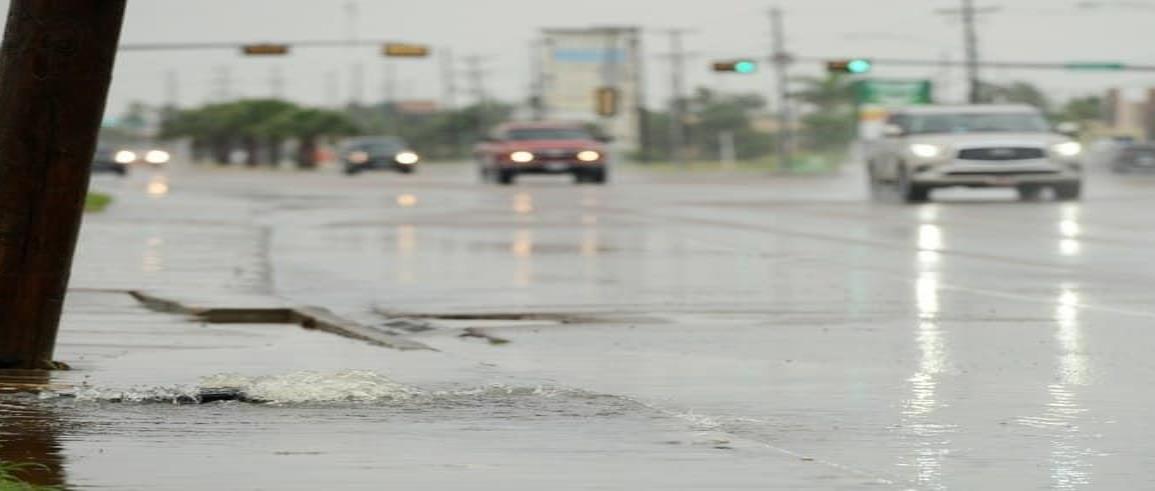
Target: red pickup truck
{"points": [[513, 149]]}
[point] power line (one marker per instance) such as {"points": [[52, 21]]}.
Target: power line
{"points": [[677, 57], [781, 60], [968, 13], [477, 73], [223, 83], [448, 79], [236, 45]]}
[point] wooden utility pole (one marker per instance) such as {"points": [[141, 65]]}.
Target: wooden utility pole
{"points": [[782, 59], [55, 68], [677, 129]]}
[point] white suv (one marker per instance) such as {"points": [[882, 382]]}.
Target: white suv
{"points": [[927, 147]]}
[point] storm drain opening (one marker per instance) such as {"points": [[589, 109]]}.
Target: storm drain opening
{"points": [[477, 325]]}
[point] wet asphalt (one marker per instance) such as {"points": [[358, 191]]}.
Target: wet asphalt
{"points": [[702, 330]]}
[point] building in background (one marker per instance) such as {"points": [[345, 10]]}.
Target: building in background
{"points": [[574, 65], [1130, 113]]}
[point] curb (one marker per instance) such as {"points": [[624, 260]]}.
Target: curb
{"points": [[314, 318]]}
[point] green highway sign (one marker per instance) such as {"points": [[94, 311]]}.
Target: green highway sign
{"points": [[1096, 65], [884, 92]]}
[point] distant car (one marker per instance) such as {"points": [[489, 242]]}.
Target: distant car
{"points": [[150, 154], [514, 149], [105, 161], [928, 147], [1133, 157], [378, 153]]}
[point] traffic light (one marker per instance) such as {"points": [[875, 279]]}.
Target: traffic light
{"points": [[265, 49], [855, 66], [606, 101], [405, 50], [744, 67]]}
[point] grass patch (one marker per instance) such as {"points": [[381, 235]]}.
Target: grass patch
{"points": [[95, 203], [9, 481]]}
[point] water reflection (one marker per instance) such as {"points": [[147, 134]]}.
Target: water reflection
{"points": [[930, 438], [29, 431], [522, 249], [926, 295], [158, 186], [406, 248], [152, 261], [1070, 231], [407, 200], [930, 243], [591, 242], [1070, 464], [523, 203]]}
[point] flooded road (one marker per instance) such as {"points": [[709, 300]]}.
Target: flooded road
{"points": [[668, 331]]}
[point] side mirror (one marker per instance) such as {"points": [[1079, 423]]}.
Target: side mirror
{"points": [[605, 139], [892, 131], [1068, 128], [490, 139]]}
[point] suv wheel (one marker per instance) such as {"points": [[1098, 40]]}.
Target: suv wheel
{"points": [[873, 184], [506, 177], [1030, 192], [1071, 191], [912, 192], [596, 176]]}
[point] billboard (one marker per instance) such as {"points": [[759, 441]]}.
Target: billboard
{"points": [[577, 67]]}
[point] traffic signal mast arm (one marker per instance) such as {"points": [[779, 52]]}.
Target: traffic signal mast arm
{"points": [[388, 48]]}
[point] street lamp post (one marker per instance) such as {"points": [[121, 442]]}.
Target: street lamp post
{"points": [[55, 69]]}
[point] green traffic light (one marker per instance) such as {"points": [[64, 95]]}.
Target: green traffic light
{"points": [[745, 67], [859, 66]]}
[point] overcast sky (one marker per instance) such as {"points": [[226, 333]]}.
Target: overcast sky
{"points": [[1036, 30]]}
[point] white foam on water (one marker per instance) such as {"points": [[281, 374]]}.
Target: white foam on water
{"points": [[313, 387]]}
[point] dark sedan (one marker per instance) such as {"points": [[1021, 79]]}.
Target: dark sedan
{"points": [[108, 160], [1134, 157], [381, 153]]}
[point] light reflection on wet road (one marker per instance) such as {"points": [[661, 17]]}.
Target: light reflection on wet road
{"points": [[975, 342]]}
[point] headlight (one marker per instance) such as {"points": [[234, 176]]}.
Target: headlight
{"points": [[1067, 149], [406, 158], [125, 157], [589, 156], [927, 151], [358, 157], [157, 157], [521, 157]]}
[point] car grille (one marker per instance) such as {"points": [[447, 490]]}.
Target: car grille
{"points": [[964, 173], [555, 155], [1002, 153]]}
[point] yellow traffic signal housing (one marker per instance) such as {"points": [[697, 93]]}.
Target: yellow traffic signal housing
{"points": [[265, 49], [854, 66], [405, 50], [607, 100], [744, 67]]}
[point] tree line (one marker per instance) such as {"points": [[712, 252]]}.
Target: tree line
{"points": [[267, 131], [259, 130]]}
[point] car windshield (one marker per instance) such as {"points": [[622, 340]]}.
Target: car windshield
{"points": [[381, 147], [549, 134], [975, 123]]}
